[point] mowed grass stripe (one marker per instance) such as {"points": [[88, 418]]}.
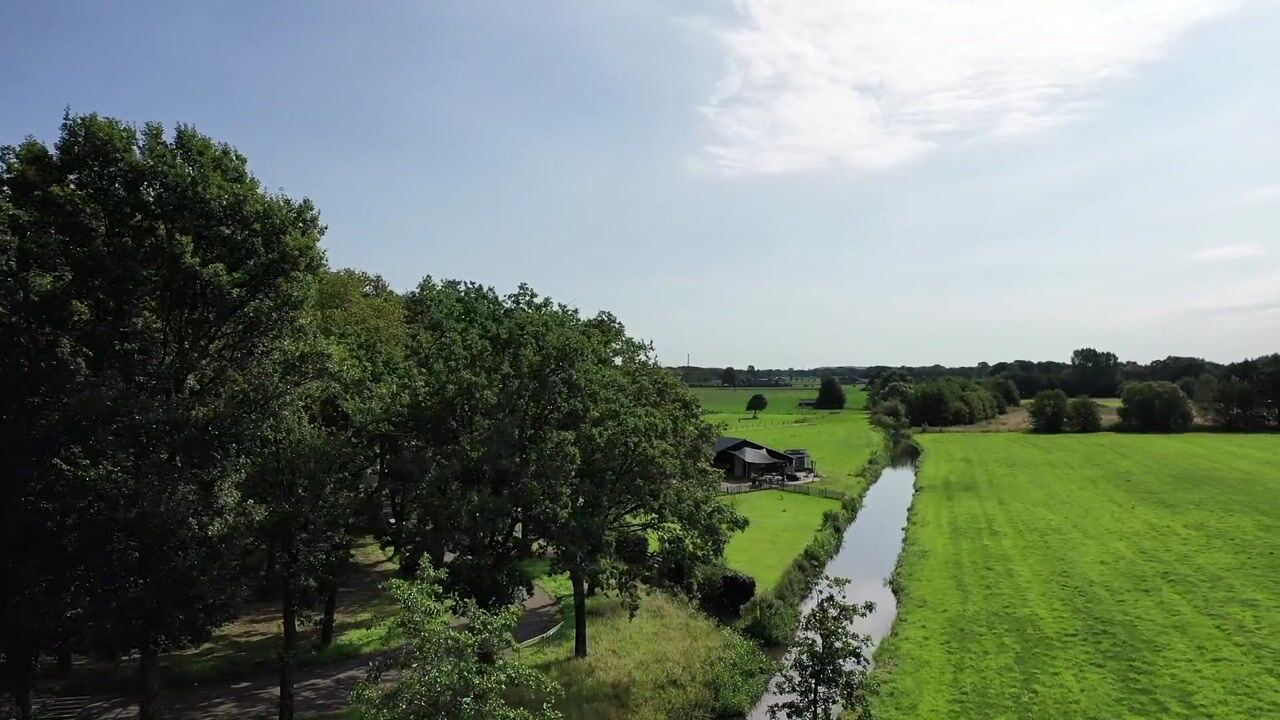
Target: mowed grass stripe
{"points": [[1102, 576], [782, 524]]}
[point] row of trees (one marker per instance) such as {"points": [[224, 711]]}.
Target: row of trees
{"points": [[193, 407], [939, 402]]}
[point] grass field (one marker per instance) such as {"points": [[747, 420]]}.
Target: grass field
{"points": [[1089, 576], [782, 524], [782, 400]]}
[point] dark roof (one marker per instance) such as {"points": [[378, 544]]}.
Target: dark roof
{"points": [[725, 443], [759, 457]]}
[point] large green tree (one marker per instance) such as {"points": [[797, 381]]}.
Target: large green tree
{"points": [[304, 484], [41, 367], [359, 322], [642, 474], [183, 274], [830, 394], [493, 377], [1094, 372]]}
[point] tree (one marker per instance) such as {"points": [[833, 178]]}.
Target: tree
{"points": [[1155, 407], [41, 369], [1095, 373], [751, 374], [184, 274], [829, 663], [642, 474], [360, 324], [488, 427], [1082, 415], [830, 394], [452, 673], [1049, 411], [729, 377], [305, 480], [1005, 388], [757, 403]]}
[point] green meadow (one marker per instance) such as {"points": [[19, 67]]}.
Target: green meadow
{"points": [[782, 524], [1089, 576], [840, 441], [782, 400]]}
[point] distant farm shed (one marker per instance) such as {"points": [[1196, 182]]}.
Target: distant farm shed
{"points": [[742, 458]]}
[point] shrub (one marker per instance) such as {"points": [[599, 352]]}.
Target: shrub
{"points": [[768, 620], [1155, 407], [1082, 415], [1005, 389], [725, 591], [1049, 411]]}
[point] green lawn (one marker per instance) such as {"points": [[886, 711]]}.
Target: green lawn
{"points": [[1089, 576], [782, 524]]}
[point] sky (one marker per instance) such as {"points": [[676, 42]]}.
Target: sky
{"points": [[767, 182]]}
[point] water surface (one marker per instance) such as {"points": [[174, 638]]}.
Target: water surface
{"points": [[867, 557]]}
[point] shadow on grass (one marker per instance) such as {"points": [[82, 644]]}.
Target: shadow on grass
{"points": [[248, 647]]}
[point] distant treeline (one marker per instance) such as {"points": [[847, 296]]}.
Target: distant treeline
{"points": [[1243, 395]]}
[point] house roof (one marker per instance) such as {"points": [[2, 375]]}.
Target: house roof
{"points": [[756, 457], [727, 442]]}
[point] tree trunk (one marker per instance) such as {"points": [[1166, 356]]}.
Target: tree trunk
{"points": [[288, 592], [578, 578], [330, 610], [20, 665], [268, 579], [149, 681], [64, 659]]}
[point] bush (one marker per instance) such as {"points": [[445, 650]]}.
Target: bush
{"points": [[1049, 411], [725, 591], [1082, 415], [768, 620], [830, 394], [1005, 389], [1155, 407]]}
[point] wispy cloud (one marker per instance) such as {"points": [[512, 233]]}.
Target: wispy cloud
{"points": [[1230, 252], [878, 83]]}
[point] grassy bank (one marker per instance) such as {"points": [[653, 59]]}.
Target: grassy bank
{"points": [[669, 661], [1095, 576]]}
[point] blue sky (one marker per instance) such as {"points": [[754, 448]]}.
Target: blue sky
{"points": [[766, 182]]}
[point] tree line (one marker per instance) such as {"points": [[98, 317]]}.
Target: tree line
{"points": [[196, 409], [1163, 396]]}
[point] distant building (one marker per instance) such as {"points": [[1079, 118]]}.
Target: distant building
{"points": [[806, 403], [743, 459]]}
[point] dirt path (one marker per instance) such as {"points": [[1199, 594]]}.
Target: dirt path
{"points": [[317, 690]]}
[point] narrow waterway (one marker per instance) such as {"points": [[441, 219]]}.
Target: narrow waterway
{"points": [[868, 555]]}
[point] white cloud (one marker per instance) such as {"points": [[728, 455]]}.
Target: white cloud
{"points": [[873, 84], [1230, 252]]}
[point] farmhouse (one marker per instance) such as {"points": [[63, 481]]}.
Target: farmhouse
{"points": [[742, 458]]}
